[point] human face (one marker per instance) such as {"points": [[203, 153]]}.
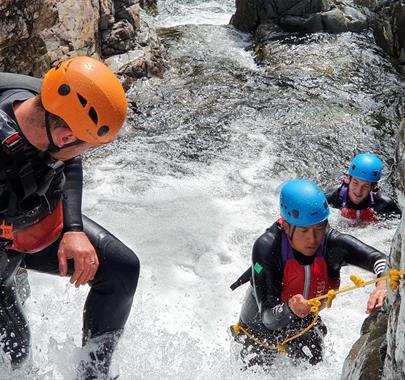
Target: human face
{"points": [[306, 240], [359, 190]]}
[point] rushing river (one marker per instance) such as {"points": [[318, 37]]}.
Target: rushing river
{"points": [[193, 182]]}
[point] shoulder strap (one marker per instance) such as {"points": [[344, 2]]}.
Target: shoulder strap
{"points": [[286, 250], [372, 201], [18, 170], [9, 135], [343, 193], [10, 81]]}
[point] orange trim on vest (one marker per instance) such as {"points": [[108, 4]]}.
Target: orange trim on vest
{"points": [[294, 279], [40, 235], [6, 231]]}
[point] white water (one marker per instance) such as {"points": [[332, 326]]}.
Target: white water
{"points": [[193, 234], [172, 12]]}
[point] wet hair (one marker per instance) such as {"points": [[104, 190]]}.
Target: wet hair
{"points": [[54, 121]]}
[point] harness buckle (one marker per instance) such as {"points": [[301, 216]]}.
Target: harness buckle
{"points": [[6, 231], [13, 143]]}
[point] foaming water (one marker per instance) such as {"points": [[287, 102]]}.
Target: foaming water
{"points": [[173, 12], [194, 181]]}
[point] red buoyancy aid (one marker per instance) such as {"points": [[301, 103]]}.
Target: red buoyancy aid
{"points": [[365, 215], [39, 235], [295, 274], [294, 279]]}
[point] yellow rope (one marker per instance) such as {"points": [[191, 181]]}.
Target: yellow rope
{"points": [[315, 310], [394, 276], [238, 328]]}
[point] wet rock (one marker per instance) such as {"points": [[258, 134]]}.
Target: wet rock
{"points": [[335, 21], [394, 366], [387, 19], [106, 14], [246, 17], [119, 39], [150, 6], [400, 156], [38, 33], [366, 358], [299, 15], [310, 24]]}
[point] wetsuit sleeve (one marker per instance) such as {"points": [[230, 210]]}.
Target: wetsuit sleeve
{"points": [[72, 195], [334, 200], [266, 281], [346, 248], [385, 205]]}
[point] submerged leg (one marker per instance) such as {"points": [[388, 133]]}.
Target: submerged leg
{"points": [[109, 301], [14, 331], [22, 285], [309, 347], [251, 353], [97, 356]]}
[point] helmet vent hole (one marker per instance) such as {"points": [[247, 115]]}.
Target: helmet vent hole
{"points": [[103, 130], [93, 115], [295, 213], [64, 89], [82, 100]]}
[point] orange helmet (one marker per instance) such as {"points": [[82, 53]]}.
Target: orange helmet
{"points": [[87, 95]]}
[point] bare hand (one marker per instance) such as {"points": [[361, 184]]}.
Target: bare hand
{"points": [[299, 306], [377, 297], [77, 246]]}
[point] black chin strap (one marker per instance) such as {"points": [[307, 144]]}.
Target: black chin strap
{"points": [[52, 148], [292, 232]]}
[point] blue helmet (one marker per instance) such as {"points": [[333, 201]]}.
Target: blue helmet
{"points": [[367, 167], [302, 203]]}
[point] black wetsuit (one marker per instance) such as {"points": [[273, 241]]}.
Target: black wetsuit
{"points": [[264, 312], [111, 294], [381, 204]]}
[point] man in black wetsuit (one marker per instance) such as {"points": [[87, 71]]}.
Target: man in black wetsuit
{"points": [[44, 127], [299, 257], [358, 197]]}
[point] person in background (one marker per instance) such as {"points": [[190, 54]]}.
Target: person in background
{"points": [[358, 197], [299, 257]]}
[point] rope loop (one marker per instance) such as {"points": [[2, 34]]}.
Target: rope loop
{"points": [[395, 278], [394, 275], [358, 281]]}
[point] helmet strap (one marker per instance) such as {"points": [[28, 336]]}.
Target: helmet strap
{"points": [[52, 148], [292, 232]]}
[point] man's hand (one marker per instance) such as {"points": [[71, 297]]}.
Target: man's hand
{"points": [[299, 306], [76, 246], [377, 297]]}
